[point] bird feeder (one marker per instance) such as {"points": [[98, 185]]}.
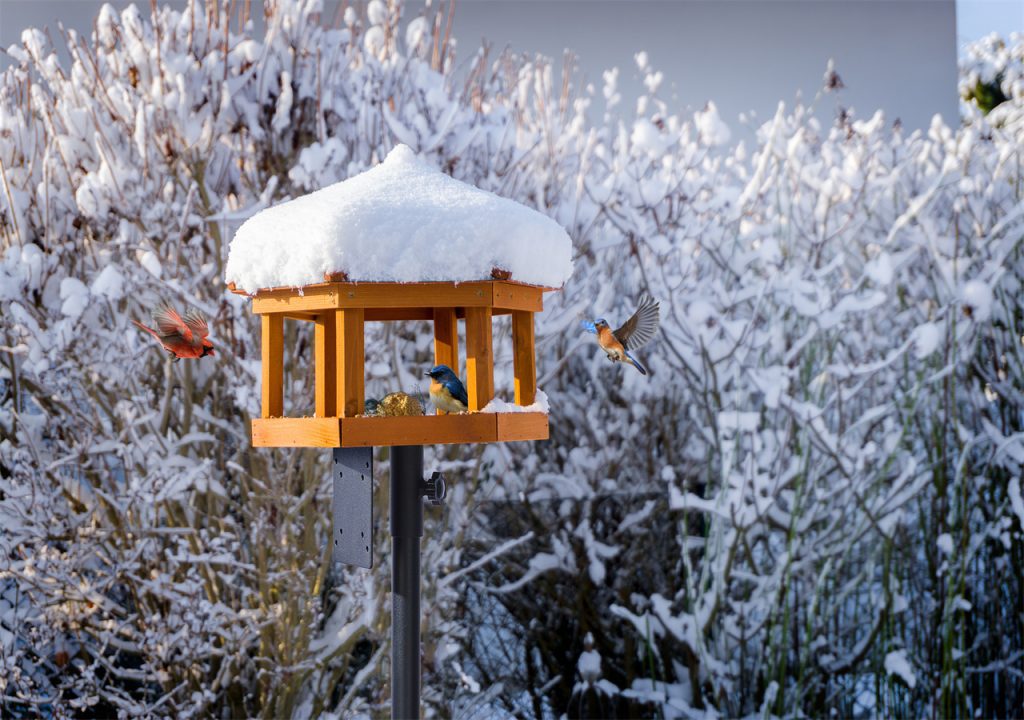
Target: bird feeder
{"points": [[399, 242], [339, 312]]}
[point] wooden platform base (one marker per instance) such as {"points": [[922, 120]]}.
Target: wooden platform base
{"points": [[381, 431]]}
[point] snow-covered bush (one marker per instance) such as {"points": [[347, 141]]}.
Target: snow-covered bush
{"points": [[813, 502], [992, 79]]}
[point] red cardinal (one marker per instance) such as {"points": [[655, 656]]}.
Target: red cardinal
{"points": [[183, 338]]}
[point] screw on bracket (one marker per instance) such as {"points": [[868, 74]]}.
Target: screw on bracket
{"points": [[434, 489]]}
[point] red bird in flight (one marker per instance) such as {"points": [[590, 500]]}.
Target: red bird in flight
{"points": [[182, 337]]}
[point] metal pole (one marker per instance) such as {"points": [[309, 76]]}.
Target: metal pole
{"points": [[406, 531]]}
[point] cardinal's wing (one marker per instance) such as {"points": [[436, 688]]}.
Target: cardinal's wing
{"points": [[197, 324], [641, 327], [170, 324]]}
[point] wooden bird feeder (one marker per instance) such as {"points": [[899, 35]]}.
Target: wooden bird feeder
{"points": [[340, 311], [421, 222]]}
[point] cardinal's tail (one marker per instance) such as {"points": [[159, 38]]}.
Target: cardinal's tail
{"points": [[150, 330], [637, 364]]}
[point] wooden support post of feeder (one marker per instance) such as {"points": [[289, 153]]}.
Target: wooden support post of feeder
{"points": [[348, 333], [479, 357], [524, 360], [325, 369], [272, 355]]}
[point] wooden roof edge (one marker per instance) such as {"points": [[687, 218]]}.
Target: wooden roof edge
{"points": [[232, 287]]}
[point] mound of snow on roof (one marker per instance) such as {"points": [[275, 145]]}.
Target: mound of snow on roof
{"points": [[403, 220]]}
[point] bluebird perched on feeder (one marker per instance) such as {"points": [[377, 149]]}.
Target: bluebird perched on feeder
{"points": [[634, 333], [446, 390]]}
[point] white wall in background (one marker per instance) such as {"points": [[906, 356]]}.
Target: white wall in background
{"points": [[898, 55]]}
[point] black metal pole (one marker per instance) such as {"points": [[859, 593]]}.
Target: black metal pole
{"points": [[406, 531]]}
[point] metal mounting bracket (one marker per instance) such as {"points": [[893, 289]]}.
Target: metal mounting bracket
{"points": [[353, 506]]}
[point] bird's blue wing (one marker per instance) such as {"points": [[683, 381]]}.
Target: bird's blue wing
{"points": [[457, 389], [589, 326]]}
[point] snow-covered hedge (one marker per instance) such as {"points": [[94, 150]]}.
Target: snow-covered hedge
{"points": [[992, 75], [813, 503]]}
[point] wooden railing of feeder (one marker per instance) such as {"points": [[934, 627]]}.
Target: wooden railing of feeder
{"points": [[339, 312]]}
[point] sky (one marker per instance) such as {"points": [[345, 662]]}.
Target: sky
{"points": [[746, 55], [977, 18]]}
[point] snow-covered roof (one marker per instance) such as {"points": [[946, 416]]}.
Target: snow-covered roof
{"points": [[403, 220]]}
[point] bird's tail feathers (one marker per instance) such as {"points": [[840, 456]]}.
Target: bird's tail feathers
{"points": [[637, 364], [150, 330]]}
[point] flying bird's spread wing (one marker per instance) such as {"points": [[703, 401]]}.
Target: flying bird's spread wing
{"points": [[170, 324], [641, 328], [197, 324]]}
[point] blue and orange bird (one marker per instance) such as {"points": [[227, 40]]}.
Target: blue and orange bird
{"points": [[634, 333], [446, 390]]}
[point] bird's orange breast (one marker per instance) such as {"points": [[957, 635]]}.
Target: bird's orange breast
{"points": [[607, 339]]}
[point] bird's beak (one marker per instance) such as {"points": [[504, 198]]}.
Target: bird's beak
{"points": [[427, 373]]}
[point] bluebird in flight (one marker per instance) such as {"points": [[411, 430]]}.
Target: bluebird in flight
{"points": [[634, 333], [446, 390]]}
